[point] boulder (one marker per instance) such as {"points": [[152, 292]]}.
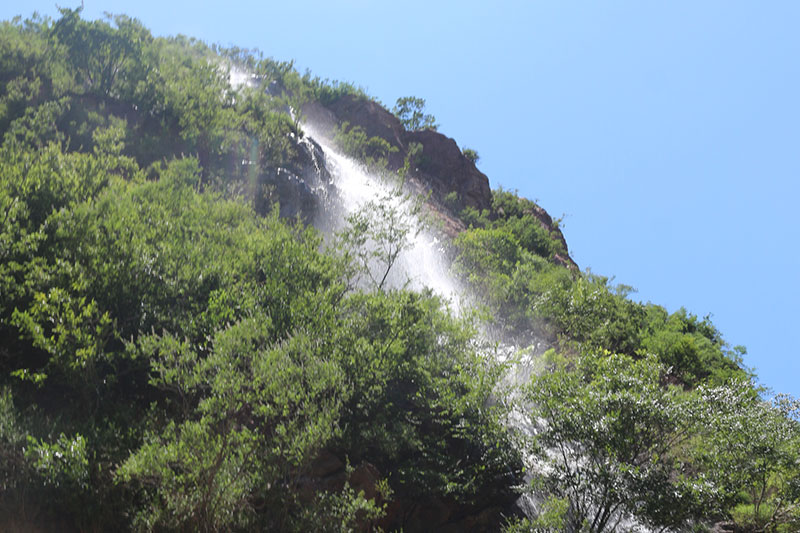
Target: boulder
{"points": [[445, 168]]}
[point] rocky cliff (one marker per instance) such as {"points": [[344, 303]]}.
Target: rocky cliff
{"points": [[442, 168]]}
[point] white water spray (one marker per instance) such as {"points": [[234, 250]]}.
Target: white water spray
{"points": [[422, 263], [239, 78]]}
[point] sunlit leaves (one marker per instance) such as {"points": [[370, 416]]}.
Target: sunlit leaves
{"points": [[611, 439], [410, 111], [751, 451], [371, 151]]}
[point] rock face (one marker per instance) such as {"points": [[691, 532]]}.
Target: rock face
{"points": [[376, 122], [442, 167], [301, 188], [447, 170]]}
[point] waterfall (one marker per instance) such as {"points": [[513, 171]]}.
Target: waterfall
{"points": [[423, 261], [424, 264]]}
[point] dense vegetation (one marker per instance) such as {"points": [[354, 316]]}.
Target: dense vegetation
{"points": [[175, 356], [640, 412]]}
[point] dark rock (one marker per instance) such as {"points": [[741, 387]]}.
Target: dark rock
{"points": [[322, 120], [486, 520], [442, 168], [326, 464], [447, 170], [365, 478], [375, 121], [287, 189], [433, 512], [301, 188]]}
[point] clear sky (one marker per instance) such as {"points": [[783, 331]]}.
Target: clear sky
{"points": [[668, 133]]}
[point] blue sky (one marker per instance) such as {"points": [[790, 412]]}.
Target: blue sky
{"points": [[667, 133]]}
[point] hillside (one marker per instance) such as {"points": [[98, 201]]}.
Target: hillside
{"points": [[201, 330]]}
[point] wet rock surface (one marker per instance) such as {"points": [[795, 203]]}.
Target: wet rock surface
{"points": [[441, 169], [301, 188]]}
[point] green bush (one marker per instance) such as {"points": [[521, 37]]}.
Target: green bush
{"points": [[170, 360], [373, 151], [470, 154], [612, 442], [410, 111]]}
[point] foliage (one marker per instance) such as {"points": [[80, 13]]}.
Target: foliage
{"points": [[297, 95], [420, 404], [265, 411], [410, 111], [373, 151], [377, 233], [510, 280], [611, 443], [750, 449], [504, 256], [105, 61], [13, 437], [518, 215], [470, 154], [172, 360], [550, 518], [328, 92], [63, 464]]}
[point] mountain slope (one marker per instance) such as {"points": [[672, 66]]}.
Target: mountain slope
{"points": [[181, 350]]}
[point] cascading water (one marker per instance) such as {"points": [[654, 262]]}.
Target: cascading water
{"points": [[423, 264]]}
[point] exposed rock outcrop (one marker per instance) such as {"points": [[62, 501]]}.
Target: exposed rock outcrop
{"points": [[446, 169], [301, 187], [376, 122], [441, 169]]}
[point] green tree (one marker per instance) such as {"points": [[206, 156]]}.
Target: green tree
{"points": [[421, 406], [410, 111], [610, 442], [470, 154], [105, 60], [264, 411], [751, 448], [377, 233]]}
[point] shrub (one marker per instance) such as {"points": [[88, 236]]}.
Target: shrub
{"points": [[409, 110]]}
